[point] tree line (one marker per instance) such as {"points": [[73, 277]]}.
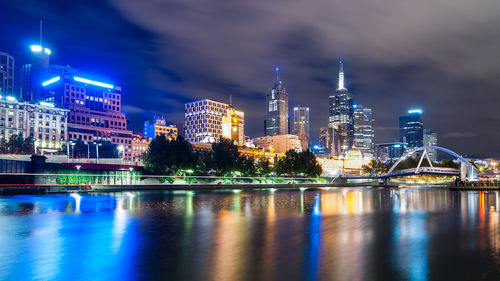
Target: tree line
{"points": [[177, 156], [17, 144]]}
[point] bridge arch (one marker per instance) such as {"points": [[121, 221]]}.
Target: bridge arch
{"points": [[424, 148]]}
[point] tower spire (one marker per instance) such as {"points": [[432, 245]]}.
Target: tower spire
{"points": [[41, 26], [341, 76], [277, 70]]}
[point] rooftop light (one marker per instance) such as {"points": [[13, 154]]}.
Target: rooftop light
{"points": [[92, 82], [415, 110], [36, 48], [51, 80]]}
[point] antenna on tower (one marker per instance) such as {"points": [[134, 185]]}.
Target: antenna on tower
{"points": [[41, 27], [230, 100], [277, 69]]}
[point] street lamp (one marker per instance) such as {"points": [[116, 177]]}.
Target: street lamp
{"points": [[72, 149], [97, 151], [121, 149]]}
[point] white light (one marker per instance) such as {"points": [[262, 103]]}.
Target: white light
{"points": [[43, 103], [47, 51], [10, 98], [50, 81], [36, 48], [419, 111], [96, 83]]}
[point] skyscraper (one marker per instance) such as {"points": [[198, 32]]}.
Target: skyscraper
{"points": [[6, 73], [430, 139], [300, 116], [411, 128], [277, 108], [35, 73], [342, 113], [363, 129]]}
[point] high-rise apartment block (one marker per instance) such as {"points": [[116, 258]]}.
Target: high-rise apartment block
{"points": [[342, 113], [158, 126], [363, 129], [207, 121], [277, 115], [300, 116], [6, 74], [411, 128]]}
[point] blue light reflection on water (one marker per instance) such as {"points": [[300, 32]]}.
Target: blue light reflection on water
{"points": [[251, 235]]}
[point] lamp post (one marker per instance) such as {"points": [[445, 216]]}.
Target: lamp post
{"points": [[121, 149], [97, 151]]}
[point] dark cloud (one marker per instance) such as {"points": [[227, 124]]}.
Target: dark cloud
{"points": [[441, 55]]}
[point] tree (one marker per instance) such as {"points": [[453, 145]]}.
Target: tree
{"points": [[375, 167], [224, 157], [299, 164], [165, 156], [263, 167], [246, 166], [17, 145]]}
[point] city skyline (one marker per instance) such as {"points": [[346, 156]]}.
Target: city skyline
{"points": [[309, 76]]}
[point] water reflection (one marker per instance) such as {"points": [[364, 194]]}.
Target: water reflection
{"points": [[302, 234]]}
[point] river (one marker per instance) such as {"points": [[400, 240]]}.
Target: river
{"points": [[292, 234]]}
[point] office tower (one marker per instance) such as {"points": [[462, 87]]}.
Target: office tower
{"points": [[411, 128], [158, 126], [45, 123], [330, 139], [390, 151], [207, 121], [430, 139], [300, 116], [35, 73], [342, 113], [363, 129], [277, 109], [95, 109], [6, 74]]}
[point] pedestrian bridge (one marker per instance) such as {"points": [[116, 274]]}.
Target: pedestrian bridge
{"points": [[467, 170]]}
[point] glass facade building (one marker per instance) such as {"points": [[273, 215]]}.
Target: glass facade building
{"points": [[277, 115], [411, 128], [6, 73], [300, 116], [342, 113], [363, 129]]}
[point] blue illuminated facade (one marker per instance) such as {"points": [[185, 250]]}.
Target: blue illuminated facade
{"points": [[411, 128]]}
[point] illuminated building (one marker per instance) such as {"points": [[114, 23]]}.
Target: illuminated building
{"points": [[330, 139], [390, 151], [342, 113], [158, 126], [255, 152], [45, 123], [95, 109], [140, 146], [363, 129], [34, 73], [276, 122], [233, 126], [304, 140], [207, 121], [279, 143], [430, 139], [300, 116], [411, 128], [6, 74]]}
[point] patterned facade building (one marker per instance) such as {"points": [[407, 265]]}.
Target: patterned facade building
{"points": [[206, 121]]}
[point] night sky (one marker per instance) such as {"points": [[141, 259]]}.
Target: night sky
{"points": [[440, 55]]}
